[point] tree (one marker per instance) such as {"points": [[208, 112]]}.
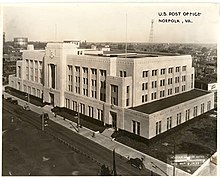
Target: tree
{"points": [[105, 171], [204, 50]]}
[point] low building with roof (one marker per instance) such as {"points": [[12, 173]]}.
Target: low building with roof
{"points": [[145, 94]]}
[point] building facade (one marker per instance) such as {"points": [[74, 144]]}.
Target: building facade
{"points": [[126, 91]]}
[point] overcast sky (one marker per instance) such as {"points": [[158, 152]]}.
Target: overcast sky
{"points": [[107, 22]]}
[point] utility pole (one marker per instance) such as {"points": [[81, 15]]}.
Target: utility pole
{"points": [[42, 122], [114, 165], [174, 161], [28, 98]]}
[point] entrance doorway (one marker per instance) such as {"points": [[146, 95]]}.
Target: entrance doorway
{"points": [[51, 99], [114, 119]]}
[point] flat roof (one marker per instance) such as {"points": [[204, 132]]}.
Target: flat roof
{"points": [[159, 105], [150, 54]]}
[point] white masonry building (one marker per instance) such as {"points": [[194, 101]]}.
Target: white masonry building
{"points": [[144, 95]]}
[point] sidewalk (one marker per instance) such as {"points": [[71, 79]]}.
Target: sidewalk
{"points": [[109, 143]]}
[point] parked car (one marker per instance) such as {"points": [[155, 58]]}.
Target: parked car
{"points": [[137, 163], [14, 102], [26, 107], [9, 99]]}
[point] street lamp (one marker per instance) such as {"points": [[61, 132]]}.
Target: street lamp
{"points": [[156, 167], [174, 154]]}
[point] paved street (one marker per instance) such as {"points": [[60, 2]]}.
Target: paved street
{"points": [[101, 154]]}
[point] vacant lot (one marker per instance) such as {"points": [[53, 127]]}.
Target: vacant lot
{"points": [[29, 151], [196, 137]]}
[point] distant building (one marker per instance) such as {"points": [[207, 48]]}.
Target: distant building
{"points": [[21, 42], [144, 95]]}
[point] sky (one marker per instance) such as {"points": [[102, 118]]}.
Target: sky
{"points": [[111, 22]]}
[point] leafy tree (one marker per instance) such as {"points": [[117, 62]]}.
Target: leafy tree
{"points": [[105, 171]]}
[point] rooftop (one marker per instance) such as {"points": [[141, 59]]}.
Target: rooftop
{"points": [[155, 106], [149, 54]]}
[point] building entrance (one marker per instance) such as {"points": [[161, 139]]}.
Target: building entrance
{"points": [[52, 99], [114, 119]]}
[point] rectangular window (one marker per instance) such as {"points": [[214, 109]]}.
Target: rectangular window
{"points": [[162, 71], [154, 84], [195, 111], [136, 127], [94, 71], [170, 70], [145, 74], [19, 71], [208, 105], [169, 123], [154, 72], [162, 82], [114, 94], [155, 95], [70, 78], [123, 74], [77, 68], [177, 79], [183, 78], [103, 72], [170, 81], [85, 70], [142, 98], [143, 86], [178, 119], [184, 68], [127, 102], [176, 89], [127, 89], [162, 93], [187, 114], [170, 91], [158, 127], [145, 98], [183, 87], [146, 86], [178, 69]]}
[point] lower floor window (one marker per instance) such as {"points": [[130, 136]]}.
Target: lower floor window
{"points": [[158, 127], [136, 127]]}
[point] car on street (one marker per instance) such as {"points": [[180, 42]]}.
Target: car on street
{"points": [[137, 163]]}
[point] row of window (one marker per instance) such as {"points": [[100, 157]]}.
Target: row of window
{"points": [[169, 121], [85, 81], [33, 70], [162, 71], [162, 82], [162, 93], [86, 70], [32, 90], [81, 108]]}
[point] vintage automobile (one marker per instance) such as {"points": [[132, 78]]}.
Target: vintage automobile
{"points": [[137, 163]]}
